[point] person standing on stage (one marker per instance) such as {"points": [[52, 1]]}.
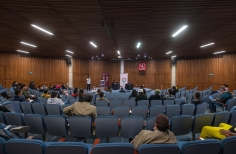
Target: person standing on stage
{"points": [[88, 83]]}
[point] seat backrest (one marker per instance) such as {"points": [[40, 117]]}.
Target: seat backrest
{"points": [[143, 103], [72, 101], [113, 148], [2, 143], [66, 147], [155, 110], [56, 125], [188, 109], [140, 111], [229, 104], [182, 94], [168, 102], [24, 146], [14, 119], [53, 109], [36, 123], [156, 102], [111, 98], [220, 117], [177, 95], [115, 103], [232, 120], [228, 145], [185, 121], [101, 123], [201, 120], [2, 118], [121, 111], [80, 126], [16, 106], [205, 99], [201, 147], [39, 108], [179, 101], [200, 108], [172, 110], [103, 111], [129, 103], [161, 148], [70, 97], [62, 108], [26, 107], [131, 126], [101, 103], [43, 100], [150, 123], [189, 97]]}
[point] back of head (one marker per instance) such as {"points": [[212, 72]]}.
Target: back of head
{"points": [[225, 85], [222, 88], [169, 91], [98, 91], [174, 88], [22, 86], [45, 91], [162, 122], [54, 94], [134, 92], [75, 91], [101, 94], [197, 94], [57, 86], [157, 92], [17, 92], [141, 87], [81, 92], [88, 97]]}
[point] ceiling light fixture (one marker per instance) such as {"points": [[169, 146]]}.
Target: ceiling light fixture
{"points": [[206, 45], [68, 55], [180, 30], [138, 45], [28, 44], [218, 52], [173, 56], [42, 29], [22, 51], [93, 44], [118, 52], [69, 51], [168, 52]]}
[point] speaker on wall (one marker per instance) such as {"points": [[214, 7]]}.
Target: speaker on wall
{"points": [[173, 60], [68, 60]]}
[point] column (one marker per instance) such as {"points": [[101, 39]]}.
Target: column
{"points": [[173, 75], [71, 74], [121, 66]]}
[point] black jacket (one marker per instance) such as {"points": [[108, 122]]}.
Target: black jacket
{"points": [[20, 99], [141, 97], [154, 97]]}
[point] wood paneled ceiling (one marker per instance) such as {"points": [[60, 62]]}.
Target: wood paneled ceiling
{"points": [[118, 25]]}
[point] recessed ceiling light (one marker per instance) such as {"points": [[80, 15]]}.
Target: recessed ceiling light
{"points": [[173, 56], [102, 54], [118, 51], [68, 55], [218, 52], [22, 51], [168, 52], [151, 58], [138, 55], [28, 44], [136, 58], [98, 58], [128, 58], [138, 45], [180, 30], [42, 29], [93, 44], [206, 45], [69, 51]]}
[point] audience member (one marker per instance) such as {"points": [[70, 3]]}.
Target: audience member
{"points": [[122, 90], [197, 100], [174, 90], [32, 86], [58, 88], [97, 93], [51, 87], [81, 95], [169, 95], [226, 87], [221, 101], [75, 92], [46, 93], [54, 99], [160, 135], [40, 88], [141, 95], [133, 94], [109, 90], [19, 97], [25, 92], [14, 86], [102, 97], [63, 86], [144, 90], [221, 132], [156, 96], [82, 108]]}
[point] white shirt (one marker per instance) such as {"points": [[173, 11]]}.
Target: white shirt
{"points": [[88, 81]]}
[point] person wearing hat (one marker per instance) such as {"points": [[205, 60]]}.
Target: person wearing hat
{"points": [[160, 135], [141, 95], [156, 96], [82, 108]]}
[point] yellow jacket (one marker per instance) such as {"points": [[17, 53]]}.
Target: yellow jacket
{"points": [[45, 95]]}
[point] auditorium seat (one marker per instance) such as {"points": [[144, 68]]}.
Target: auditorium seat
{"points": [[14, 119], [179, 101], [67, 147], [228, 145], [111, 98], [156, 102], [143, 103], [232, 120], [229, 104], [189, 98], [155, 110], [181, 125], [182, 94], [220, 117], [24, 146], [26, 107], [69, 97], [187, 109], [132, 98], [209, 146], [2, 145], [36, 123], [62, 108], [177, 95], [39, 108], [80, 126], [129, 103], [200, 108], [43, 100], [72, 101], [168, 102], [159, 149], [150, 123], [140, 111], [53, 109], [172, 110], [16, 106], [115, 103], [199, 121], [101, 127], [113, 148], [2, 118], [121, 111], [103, 111], [101, 103], [205, 99]]}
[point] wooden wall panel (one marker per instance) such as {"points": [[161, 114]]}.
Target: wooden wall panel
{"points": [[45, 71], [192, 73]]}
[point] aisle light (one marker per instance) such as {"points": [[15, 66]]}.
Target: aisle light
{"points": [[42, 29], [28, 44], [180, 30]]}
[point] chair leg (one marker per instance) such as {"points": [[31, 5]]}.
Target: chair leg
{"points": [[85, 140], [43, 137]]}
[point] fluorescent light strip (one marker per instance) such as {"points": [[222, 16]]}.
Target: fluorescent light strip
{"points": [[218, 52], [168, 52], [69, 51], [93, 44], [173, 56], [42, 29], [138, 45], [68, 55], [181, 29], [28, 44], [22, 51], [206, 45], [118, 51]]}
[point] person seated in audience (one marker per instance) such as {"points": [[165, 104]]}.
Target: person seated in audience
{"points": [[46, 93], [54, 99], [160, 135], [102, 97], [19, 97], [32, 86], [133, 94], [174, 90], [197, 100], [226, 87], [109, 90], [40, 88], [82, 108], [25, 92], [122, 90], [97, 93], [19, 85], [75, 92], [144, 90], [63, 86], [156, 96], [14, 86], [221, 132], [50, 87], [141, 95], [81, 95], [225, 96], [58, 88], [169, 95]]}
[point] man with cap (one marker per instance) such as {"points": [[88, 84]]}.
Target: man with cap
{"points": [[82, 108], [156, 96], [161, 134]]}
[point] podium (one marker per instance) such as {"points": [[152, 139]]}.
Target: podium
{"points": [[102, 83], [129, 86]]}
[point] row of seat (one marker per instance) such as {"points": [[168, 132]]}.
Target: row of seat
{"points": [[22, 146]]}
